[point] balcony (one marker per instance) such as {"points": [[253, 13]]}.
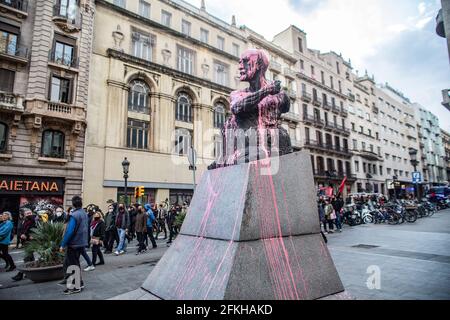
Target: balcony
{"points": [[329, 126], [344, 112], [292, 94], [11, 102], [56, 110], [289, 73], [275, 66], [341, 129], [291, 116], [67, 19], [317, 102], [369, 155], [306, 97], [309, 119], [66, 62], [336, 109], [15, 54], [18, 8], [326, 105], [351, 97]]}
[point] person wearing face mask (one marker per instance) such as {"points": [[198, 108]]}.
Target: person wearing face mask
{"points": [[59, 216], [28, 225], [141, 229], [6, 229], [97, 232], [110, 229], [122, 224]]}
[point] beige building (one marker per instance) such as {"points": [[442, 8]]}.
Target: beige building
{"points": [[365, 136], [446, 142], [321, 80], [399, 132], [161, 75], [44, 64]]}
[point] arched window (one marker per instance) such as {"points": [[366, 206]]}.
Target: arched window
{"points": [[52, 144], [3, 136], [138, 97], [183, 111], [219, 115]]}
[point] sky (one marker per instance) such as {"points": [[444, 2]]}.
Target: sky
{"points": [[394, 40]]}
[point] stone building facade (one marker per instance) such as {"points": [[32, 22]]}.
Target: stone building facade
{"points": [[44, 66], [161, 75], [323, 129], [446, 142]]}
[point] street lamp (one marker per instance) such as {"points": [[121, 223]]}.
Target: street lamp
{"points": [[414, 163], [126, 167]]}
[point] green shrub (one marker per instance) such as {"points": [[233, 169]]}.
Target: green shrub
{"points": [[179, 219], [46, 239]]}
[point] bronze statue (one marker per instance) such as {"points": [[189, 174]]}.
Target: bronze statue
{"points": [[255, 119]]}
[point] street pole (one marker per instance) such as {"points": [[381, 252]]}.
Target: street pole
{"points": [[126, 186], [192, 158]]}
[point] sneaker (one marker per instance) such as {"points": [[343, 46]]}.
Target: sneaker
{"points": [[89, 268], [18, 277], [116, 253], [71, 291], [340, 230], [122, 252], [138, 253]]}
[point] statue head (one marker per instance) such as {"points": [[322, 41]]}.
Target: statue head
{"points": [[253, 63]]}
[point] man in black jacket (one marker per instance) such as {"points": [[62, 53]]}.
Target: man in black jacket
{"points": [[110, 228], [122, 225]]}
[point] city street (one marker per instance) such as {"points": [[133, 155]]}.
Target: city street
{"points": [[413, 259]]}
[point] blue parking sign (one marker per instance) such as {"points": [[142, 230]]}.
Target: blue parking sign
{"points": [[416, 177]]}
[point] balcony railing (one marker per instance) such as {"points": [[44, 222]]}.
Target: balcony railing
{"points": [[11, 101], [21, 5], [329, 125], [14, 52], [68, 18], [317, 101], [291, 116], [326, 105], [336, 109], [351, 97], [306, 96], [67, 61], [275, 66], [288, 72], [344, 112], [311, 119]]}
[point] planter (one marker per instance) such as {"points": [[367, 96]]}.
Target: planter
{"points": [[43, 274]]}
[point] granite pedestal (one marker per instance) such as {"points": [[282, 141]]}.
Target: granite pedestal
{"points": [[248, 235]]}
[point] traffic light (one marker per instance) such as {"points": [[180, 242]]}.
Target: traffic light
{"points": [[141, 191], [136, 192]]}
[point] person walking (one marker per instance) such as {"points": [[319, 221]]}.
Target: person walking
{"points": [[170, 222], [6, 232], [97, 232], [150, 220], [19, 230], [161, 220], [110, 228], [122, 225], [338, 204], [28, 225], [141, 229], [330, 215], [132, 212], [75, 239]]}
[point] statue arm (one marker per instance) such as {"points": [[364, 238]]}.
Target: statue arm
{"points": [[248, 103], [285, 102]]}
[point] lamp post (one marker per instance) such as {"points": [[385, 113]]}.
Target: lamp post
{"points": [[126, 167], [414, 163]]}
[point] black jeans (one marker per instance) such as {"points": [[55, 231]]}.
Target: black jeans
{"points": [[72, 258], [150, 235], [161, 228], [6, 256], [171, 231], [96, 251], [141, 240], [110, 237]]}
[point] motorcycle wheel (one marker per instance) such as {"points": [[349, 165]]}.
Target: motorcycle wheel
{"points": [[368, 219]]}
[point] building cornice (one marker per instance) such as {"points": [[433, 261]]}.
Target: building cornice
{"points": [[168, 30], [269, 46], [166, 70]]}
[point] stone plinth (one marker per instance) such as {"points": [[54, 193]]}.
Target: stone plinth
{"points": [[248, 235]]}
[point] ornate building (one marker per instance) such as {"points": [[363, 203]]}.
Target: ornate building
{"points": [[44, 66], [160, 80]]}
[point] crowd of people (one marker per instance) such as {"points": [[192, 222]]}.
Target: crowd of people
{"points": [[89, 228]]}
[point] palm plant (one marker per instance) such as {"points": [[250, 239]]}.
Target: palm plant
{"points": [[179, 219], [46, 239]]}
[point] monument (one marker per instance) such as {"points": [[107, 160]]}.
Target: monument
{"points": [[252, 230]]}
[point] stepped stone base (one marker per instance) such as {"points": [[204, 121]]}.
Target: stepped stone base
{"points": [[248, 235]]}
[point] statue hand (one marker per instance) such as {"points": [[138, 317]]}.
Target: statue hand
{"points": [[275, 87]]}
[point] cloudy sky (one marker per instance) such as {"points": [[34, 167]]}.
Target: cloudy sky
{"points": [[394, 40]]}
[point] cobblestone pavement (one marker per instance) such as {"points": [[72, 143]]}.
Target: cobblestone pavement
{"points": [[413, 260]]}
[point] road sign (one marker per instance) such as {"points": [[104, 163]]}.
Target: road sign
{"points": [[416, 177]]}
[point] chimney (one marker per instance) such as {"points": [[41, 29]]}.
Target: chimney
{"points": [[233, 20]]}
